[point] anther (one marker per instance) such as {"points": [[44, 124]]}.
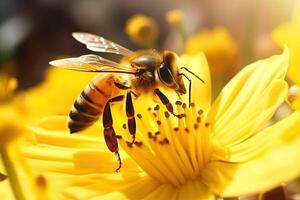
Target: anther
{"points": [[187, 130], [138, 144], [180, 116], [156, 107], [158, 122], [167, 115], [129, 144], [124, 126], [150, 135], [178, 103], [192, 104], [200, 112], [176, 129], [166, 141], [198, 119], [119, 137], [196, 126], [157, 133], [206, 124], [139, 116], [154, 114], [149, 109], [184, 105]]}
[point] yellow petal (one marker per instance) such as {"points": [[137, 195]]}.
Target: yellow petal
{"points": [[275, 166], [46, 98], [248, 94], [54, 149], [288, 34], [113, 186], [201, 92]]}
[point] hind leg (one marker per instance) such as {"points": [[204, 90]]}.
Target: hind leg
{"points": [[110, 137]]}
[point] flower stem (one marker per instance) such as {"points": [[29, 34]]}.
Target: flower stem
{"points": [[11, 173]]}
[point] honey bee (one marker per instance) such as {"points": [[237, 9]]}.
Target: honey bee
{"points": [[145, 72]]}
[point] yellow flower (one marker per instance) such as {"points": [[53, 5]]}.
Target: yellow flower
{"points": [[55, 95], [218, 46], [12, 163], [220, 149], [288, 34], [142, 29], [7, 87], [175, 17]]}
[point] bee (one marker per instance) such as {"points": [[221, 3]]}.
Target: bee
{"points": [[144, 72]]}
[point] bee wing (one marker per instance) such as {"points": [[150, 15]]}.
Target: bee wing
{"points": [[100, 44], [93, 63]]}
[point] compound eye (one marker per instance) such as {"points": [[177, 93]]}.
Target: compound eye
{"points": [[165, 75]]}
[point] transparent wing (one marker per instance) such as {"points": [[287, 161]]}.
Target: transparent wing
{"points": [[93, 63], [100, 44]]}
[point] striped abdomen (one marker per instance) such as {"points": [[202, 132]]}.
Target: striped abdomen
{"points": [[89, 105]]}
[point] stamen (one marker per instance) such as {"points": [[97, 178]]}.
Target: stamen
{"points": [[150, 135], [200, 112], [171, 149], [166, 141], [119, 137], [195, 126], [138, 144], [156, 108], [154, 114], [129, 144], [167, 115]]}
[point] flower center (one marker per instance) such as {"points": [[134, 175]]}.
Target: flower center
{"points": [[172, 149]]}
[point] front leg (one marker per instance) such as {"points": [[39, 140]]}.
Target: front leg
{"points": [[164, 99], [130, 116]]}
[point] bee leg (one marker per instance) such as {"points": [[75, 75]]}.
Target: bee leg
{"points": [[124, 87], [190, 86], [165, 101], [110, 137], [130, 115], [121, 86]]}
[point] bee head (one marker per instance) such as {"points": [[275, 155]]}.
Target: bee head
{"points": [[168, 72]]}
